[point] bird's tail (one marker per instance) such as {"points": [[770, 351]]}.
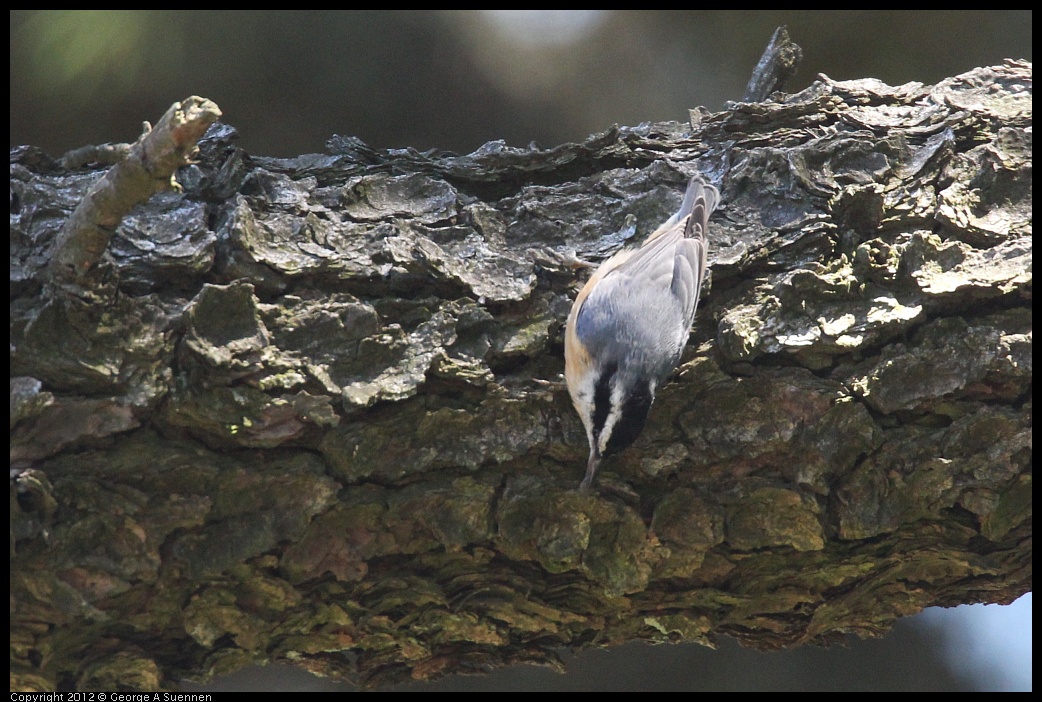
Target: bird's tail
{"points": [[701, 198]]}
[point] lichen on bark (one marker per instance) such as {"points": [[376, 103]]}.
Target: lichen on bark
{"points": [[310, 411]]}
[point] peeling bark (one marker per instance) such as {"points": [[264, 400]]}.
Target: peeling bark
{"points": [[313, 414]]}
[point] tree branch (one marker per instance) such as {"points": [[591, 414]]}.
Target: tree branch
{"points": [[776, 66], [320, 421], [144, 169]]}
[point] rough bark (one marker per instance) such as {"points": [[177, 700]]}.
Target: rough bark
{"points": [[304, 415]]}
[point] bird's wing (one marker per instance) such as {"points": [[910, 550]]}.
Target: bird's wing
{"points": [[654, 257], [668, 267]]}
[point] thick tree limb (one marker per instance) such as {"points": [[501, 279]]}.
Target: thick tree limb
{"points": [[311, 422]]}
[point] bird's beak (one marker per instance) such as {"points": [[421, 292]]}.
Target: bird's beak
{"points": [[591, 468]]}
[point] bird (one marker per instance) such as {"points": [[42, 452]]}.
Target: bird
{"points": [[630, 322]]}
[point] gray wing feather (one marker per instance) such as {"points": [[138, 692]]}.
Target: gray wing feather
{"points": [[688, 272], [670, 265], [677, 251]]}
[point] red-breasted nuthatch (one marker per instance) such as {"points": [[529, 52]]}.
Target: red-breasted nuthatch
{"points": [[629, 325]]}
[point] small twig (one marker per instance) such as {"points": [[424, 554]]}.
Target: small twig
{"points": [[778, 64], [103, 154], [148, 167]]}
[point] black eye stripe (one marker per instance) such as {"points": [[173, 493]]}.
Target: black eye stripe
{"points": [[632, 414], [631, 422], [602, 398]]}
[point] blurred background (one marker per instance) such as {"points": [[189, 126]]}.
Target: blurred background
{"points": [[449, 80], [452, 80]]}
